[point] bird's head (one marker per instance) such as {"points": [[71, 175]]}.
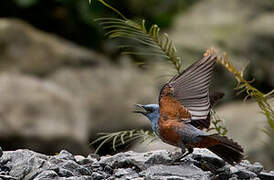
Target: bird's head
{"points": [[151, 111]]}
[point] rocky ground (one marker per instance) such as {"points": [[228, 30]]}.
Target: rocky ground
{"points": [[27, 164]]}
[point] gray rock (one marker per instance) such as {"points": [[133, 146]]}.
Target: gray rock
{"points": [[168, 178], [22, 162], [1, 152], [225, 172], [224, 176], [64, 172], [47, 174], [266, 176], [256, 178], [77, 178], [233, 170], [65, 155], [7, 177], [233, 177], [74, 168], [97, 176], [207, 160], [111, 178], [183, 171], [26, 164], [140, 160], [94, 157], [108, 169], [245, 174], [203, 158], [205, 153], [104, 174], [85, 162], [255, 168], [97, 167], [79, 158], [127, 173]]}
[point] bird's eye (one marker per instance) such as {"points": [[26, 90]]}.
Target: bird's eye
{"points": [[149, 110]]}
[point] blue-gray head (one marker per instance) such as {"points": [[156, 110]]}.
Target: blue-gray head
{"points": [[151, 111]]}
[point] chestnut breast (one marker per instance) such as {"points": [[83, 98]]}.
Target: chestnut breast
{"points": [[168, 131]]}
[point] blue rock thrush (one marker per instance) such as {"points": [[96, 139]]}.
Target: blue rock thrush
{"points": [[184, 111]]}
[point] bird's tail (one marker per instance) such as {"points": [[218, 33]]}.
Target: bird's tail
{"points": [[227, 149]]}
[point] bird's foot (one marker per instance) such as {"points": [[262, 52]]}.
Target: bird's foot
{"points": [[181, 157], [184, 154]]}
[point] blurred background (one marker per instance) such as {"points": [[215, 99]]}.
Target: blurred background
{"points": [[62, 81]]}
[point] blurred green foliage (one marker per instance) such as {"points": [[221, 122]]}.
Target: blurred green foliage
{"points": [[71, 19], [26, 3], [74, 19]]}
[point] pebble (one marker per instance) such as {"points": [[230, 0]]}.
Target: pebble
{"points": [[97, 176], [79, 158]]}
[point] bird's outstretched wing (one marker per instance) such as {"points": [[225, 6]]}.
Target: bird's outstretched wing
{"points": [[190, 91]]}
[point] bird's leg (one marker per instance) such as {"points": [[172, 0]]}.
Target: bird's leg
{"points": [[184, 154], [189, 151]]}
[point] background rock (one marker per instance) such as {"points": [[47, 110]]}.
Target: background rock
{"points": [[56, 94], [245, 124], [41, 115], [110, 93], [240, 28], [28, 50]]}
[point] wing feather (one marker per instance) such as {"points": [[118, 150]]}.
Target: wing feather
{"points": [[191, 89]]}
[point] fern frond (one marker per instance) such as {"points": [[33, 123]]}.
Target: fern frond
{"points": [[123, 137], [245, 86], [217, 124], [110, 7], [159, 45]]}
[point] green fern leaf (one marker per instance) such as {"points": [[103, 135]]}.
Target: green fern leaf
{"points": [[159, 45]]}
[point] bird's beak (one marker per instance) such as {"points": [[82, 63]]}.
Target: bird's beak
{"points": [[142, 109]]}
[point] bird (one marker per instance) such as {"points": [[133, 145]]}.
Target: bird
{"points": [[183, 112]]}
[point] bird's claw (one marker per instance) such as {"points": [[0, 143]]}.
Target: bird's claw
{"points": [[181, 158]]}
